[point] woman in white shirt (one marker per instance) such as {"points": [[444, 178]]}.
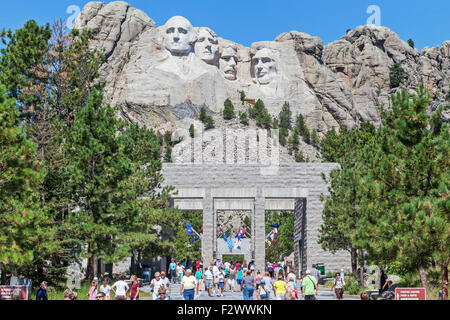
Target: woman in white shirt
{"points": [[121, 288], [156, 284]]}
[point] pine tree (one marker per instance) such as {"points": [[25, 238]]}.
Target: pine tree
{"points": [[203, 114], [411, 43], [242, 97], [286, 116], [96, 168], [304, 131], [243, 118], [25, 231], [408, 169], [192, 131], [294, 140], [228, 111], [315, 139], [342, 214], [397, 75]]}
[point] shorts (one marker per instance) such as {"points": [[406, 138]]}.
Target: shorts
{"points": [[239, 281], [208, 283], [173, 273], [221, 285]]}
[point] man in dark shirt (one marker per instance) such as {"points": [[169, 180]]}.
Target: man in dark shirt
{"points": [[42, 292]]}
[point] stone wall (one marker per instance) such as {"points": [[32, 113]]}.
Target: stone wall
{"points": [[291, 181]]}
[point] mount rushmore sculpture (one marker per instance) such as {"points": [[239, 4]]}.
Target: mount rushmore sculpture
{"points": [[162, 76]]}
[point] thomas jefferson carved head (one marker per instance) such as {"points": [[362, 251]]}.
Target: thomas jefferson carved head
{"points": [[264, 67], [228, 63], [207, 45], [179, 36]]}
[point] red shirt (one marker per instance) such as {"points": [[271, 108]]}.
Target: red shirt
{"points": [[133, 291]]}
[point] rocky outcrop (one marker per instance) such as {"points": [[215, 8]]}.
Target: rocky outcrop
{"points": [[162, 76]]}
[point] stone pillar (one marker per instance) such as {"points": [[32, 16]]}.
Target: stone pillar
{"points": [[208, 228], [260, 232]]}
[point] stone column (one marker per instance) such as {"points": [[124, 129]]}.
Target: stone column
{"points": [[208, 228], [259, 231]]}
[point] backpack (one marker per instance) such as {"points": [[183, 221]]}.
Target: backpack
{"points": [[270, 269]]}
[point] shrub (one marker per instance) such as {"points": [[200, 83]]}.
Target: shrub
{"points": [[192, 131]]}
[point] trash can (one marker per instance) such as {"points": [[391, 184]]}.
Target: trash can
{"points": [[321, 268], [147, 274]]}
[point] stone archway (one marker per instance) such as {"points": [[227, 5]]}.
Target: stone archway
{"points": [[294, 187]]}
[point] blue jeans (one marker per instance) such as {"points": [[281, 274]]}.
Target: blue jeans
{"points": [[248, 292], [188, 294]]}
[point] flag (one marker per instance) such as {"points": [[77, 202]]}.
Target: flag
{"points": [[230, 244], [238, 244], [189, 230]]}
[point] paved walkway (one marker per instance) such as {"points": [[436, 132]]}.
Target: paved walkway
{"points": [[237, 296]]}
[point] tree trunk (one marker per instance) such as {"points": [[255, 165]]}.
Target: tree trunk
{"points": [[361, 269], [95, 265], [423, 274], [133, 263], [3, 276], [444, 273], [354, 261]]}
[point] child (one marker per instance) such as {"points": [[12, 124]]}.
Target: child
{"points": [[240, 274], [221, 284], [92, 294]]}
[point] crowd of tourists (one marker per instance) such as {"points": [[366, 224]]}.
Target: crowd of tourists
{"points": [[276, 282]]}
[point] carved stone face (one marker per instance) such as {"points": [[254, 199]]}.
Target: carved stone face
{"points": [[264, 66], [228, 63], [207, 46], [179, 36]]}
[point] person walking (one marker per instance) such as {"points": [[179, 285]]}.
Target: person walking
{"points": [[226, 275], [258, 279], [249, 286], [239, 276], [180, 272], [156, 284], [134, 292], [106, 289], [166, 283], [262, 292], [270, 270], [268, 283], [232, 278], [172, 270], [310, 287], [338, 286], [279, 288], [188, 284], [199, 278], [291, 289], [92, 290], [121, 287], [209, 280], [315, 273], [41, 294], [221, 283]]}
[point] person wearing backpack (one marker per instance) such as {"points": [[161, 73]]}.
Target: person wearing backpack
{"points": [[338, 286], [310, 289]]}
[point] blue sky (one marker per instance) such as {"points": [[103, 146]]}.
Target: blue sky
{"points": [[245, 21]]}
